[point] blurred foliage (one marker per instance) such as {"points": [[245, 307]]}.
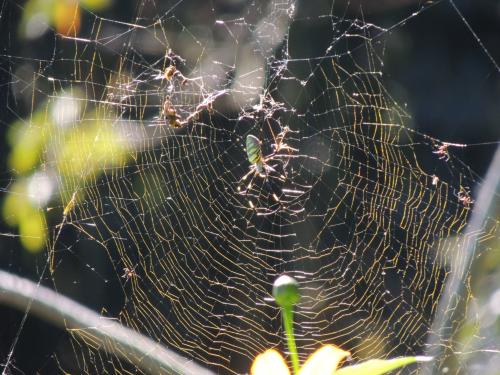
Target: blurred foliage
{"points": [[80, 150], [63, 15], [27, 142], [19, 212], [380, 366]]}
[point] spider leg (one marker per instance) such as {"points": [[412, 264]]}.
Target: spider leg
{"points": [[269, 168], [252, 170]]}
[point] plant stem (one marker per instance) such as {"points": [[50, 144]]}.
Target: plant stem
{"points": [[292, 348], [147, 354]]}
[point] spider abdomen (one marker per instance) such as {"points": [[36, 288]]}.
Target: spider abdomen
{"points": [[254, 153]]}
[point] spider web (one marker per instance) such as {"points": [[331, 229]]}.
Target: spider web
{"points": [[368, 213]]}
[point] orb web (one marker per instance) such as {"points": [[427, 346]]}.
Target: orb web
{"points": [[152, 202]]}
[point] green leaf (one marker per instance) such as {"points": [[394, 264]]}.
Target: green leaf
{"points": [[380, 366], [95, 4]]}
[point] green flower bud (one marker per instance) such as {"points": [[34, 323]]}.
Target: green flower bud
{"points": [[286, 291]]}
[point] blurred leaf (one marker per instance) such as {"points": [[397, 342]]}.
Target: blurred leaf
{"points": [[25, 154], [467, 333], [32, 229], [95, 4], [66, 17], [63, 15], [35, 19], [15, 204], [91, 148], [380, 366], [17, 210], [27, 141]]}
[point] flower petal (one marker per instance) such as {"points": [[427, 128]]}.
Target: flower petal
{"points": [[324, 361], [269, 362], [379, 366]]}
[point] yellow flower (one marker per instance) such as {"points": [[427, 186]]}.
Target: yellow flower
{"points": [[323, 361]]}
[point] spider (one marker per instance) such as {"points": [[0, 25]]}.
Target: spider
{"points": [[170, 72], [435, 180], [464, 197], [442, 151], [170, 114], [129, 273], [260, 164]]}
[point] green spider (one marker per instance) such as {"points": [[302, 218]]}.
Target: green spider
{"points": [[260, 164]]}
